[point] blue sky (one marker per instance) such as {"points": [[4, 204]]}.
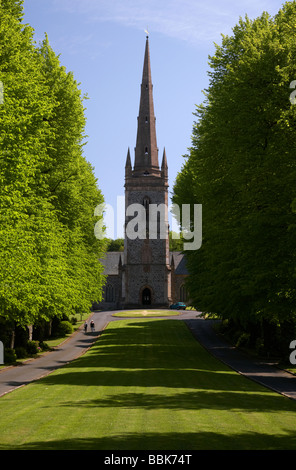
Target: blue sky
{"points": [[102, 42]]}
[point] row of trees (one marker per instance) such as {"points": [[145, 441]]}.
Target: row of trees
{"points": [[48, 252], [242, 169]]}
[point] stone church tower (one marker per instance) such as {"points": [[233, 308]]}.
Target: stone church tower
{"points": [[146, 273], [146, 258]]}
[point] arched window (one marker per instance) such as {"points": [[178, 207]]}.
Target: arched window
{"points": [[183, 294], [109, 293]]}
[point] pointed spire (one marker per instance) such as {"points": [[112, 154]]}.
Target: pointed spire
{"points": [[146, 152], [128, 160], [172, 261], [164, 165], [164, 160], [128, 165]]}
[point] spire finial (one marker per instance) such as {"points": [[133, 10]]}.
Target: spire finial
{"points": [[147, 32]]}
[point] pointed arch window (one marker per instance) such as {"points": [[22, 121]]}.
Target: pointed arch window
{"points": [[110, 293], [183, 293]]}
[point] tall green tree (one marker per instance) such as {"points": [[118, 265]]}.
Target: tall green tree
{"points": [[23, 152], [241, 167], [69, 180], [48, 252]]}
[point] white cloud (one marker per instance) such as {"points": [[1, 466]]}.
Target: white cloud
{"points": [[194, 21]]}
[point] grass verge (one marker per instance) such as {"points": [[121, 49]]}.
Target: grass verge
{"points": [[146, 385]]}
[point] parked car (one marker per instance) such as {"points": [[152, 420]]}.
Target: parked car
{"points": [[178, 306]]}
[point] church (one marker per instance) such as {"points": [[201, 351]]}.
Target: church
{"points": [[146, 273]]}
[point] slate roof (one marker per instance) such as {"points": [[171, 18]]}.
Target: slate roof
{"points": [[111, 262], [179, 260]]}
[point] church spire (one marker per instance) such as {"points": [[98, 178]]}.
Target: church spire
{"points": [[146, 151]]}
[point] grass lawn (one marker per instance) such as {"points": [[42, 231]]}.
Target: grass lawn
{"points": [[146, 385], [147, 313]]}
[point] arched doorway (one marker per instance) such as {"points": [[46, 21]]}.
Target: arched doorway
{"points": [[146, 296]]}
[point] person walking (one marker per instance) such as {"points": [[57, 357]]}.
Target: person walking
{"points": [[92, 326], [85, 327]]}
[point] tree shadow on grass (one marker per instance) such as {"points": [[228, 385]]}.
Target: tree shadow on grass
{"points": [[191, 401], [170, 378], [161, 354], [168, 441], [119, 334], [190, 379]]}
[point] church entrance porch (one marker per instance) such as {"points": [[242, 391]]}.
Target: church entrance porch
{"points": [[146, 296]]}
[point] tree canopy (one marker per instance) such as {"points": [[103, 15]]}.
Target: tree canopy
{"points": [[241, 168]]}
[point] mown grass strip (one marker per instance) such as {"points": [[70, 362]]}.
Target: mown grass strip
{"points": [[146, 385]]}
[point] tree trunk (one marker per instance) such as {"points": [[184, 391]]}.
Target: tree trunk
{"points": [[30, 328], [50, 328], [12, 339]]}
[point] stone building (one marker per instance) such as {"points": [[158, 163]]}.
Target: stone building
{"points": [[146, 273]]}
